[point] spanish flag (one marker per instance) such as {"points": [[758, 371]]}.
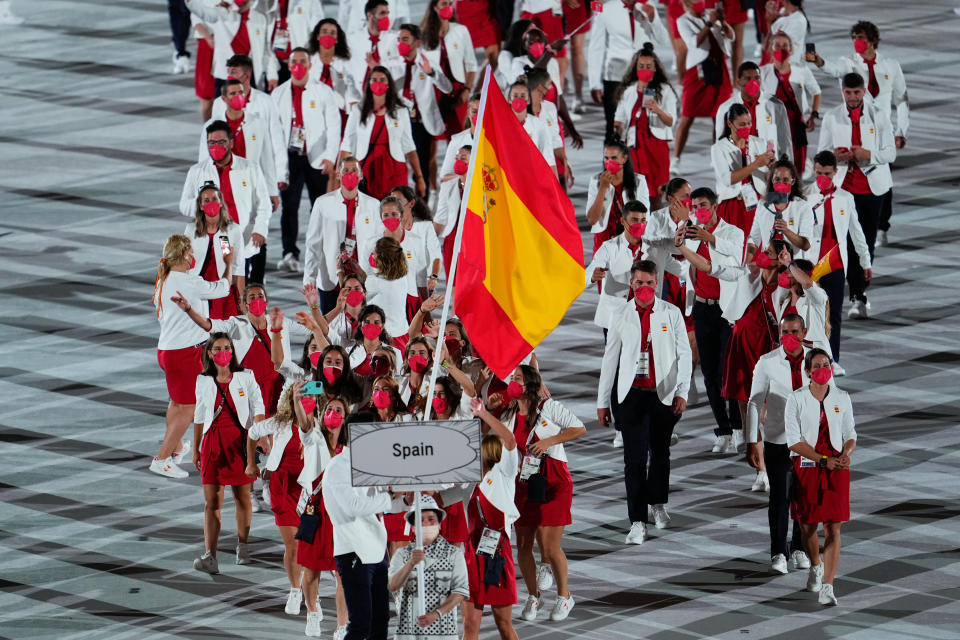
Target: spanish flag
{"points": [[520, 265], [828, 264]]}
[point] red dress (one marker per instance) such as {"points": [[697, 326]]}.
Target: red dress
{"points": [[225, 307], [577, 16], [454, 526], [258, 360], [614, 219], [753, 335], [204, 84], [221, 451], [556, 511], [477, 17], [699, 98], [318, 555], [284, 490], [650, 154], [734, 210], [381, 172], [181, 368], [822, 495], [481, 593], [551, 25], [734, 13]]}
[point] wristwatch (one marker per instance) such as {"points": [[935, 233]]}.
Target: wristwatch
{"points": [[823, 462]]}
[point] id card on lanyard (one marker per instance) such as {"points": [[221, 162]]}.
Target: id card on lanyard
{"points": [[489, 539], [643, 360], [281, 40], [298, 142]]}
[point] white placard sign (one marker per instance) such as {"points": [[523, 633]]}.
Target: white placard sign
{"points": [[415, 453]]}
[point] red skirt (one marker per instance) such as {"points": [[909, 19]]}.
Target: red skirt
{"points": [[552, 26], [477, 17], [318, 555], [821, 495], [481, 593], [577, 16], [556, 511], [700, 99], [734, 13], [225, 307], [284, 494], [181, 367], [382, 173], [221, 460], [454, 526], [799, 158], [750, 339], [204, 84], [447, 249], [734, 211], [651, 159], [674, 10], [396, 524]]}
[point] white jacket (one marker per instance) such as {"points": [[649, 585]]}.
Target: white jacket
{"points": [[356, 137], [772, 385], [498, 486], [802, 417], [553, 418], [643, 195], [876, 133], [772, 124], [244, 392], [302, 17], [610, 47], [234, 237], [321, 121], [422, 247], [460, 53], [177, 330], [846, 223], [360, 44], [424, 89], [689, 26], [352, 18], [327, 230], [258, 145], [728, 250], [260, 104], [448, 206], [538, 132], [671, 353], [345, 87], [457, 141], [316, 455], [804, 85], [550, 118], [667, 102], [224, 22], [250, 195], [748, 283], [812, 307], [726, 158], [798, 215], [243, 334], [795, 27], [893, 88]]}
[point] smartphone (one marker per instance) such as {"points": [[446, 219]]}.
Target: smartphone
{"points": [[770, 145], [811, 47], [312, 388], [650, 93], [224, 244]]}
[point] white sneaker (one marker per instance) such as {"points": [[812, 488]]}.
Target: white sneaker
{"points": [[562, 608], [838, 370], [758, 51], [827, 597], [180, 456], [761, 483], [674, 439], [618, 440], [207, 563], [578, 107], [778, 564], [882, 241], [637, 533], [800, 560], [531, 608], [313, 624], [243, 555], [738, 444], [181, 63], [720, 444], [858, 310], [815, 578], [289, 262], [676, 166], [729, 444], [167, 468], [7, 16], [661, 519], [256, 505], [266, 494], [294, 598], [340, 633], [544, 577]]}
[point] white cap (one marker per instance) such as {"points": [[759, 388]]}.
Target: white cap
{"points": [[427, 503]]}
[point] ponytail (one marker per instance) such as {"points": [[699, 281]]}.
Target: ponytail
{"points": [[174, 251]]}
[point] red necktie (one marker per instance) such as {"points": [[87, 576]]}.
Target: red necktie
{"points": [[872, 85], [374, 47], [855, 139], [407, 91], [325, 76], [351, 217], [629, 8]]}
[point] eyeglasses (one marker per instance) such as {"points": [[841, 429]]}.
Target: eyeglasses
{"points": [[217, 143]]}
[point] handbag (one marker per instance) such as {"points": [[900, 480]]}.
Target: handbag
{"points": [[496, 564], [537, 482], [310, 518]]}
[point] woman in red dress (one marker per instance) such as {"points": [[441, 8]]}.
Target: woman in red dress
{"points": [[228, 403], [797, 89], [211, 229], [820, 430], [447, 405], [204, 84], [477, 16]]}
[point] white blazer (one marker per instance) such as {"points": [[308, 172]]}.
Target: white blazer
{"points": [[893, 88], [518, 67], [448, 206], [234, 237], [798, 215], [423, 86], [804, 85], [794, 26], [457, 141], [772, 124], [327, 230], [498, 486], [538, 132], [610, 46], [316, 455], [671, 353], [846, 223], [553, 418], [356, 137], [772, 385], [460, 53], [812, 307], [876, 133], [352, 18], [243, 334], [728, 250], [550, 118], [360, 44], [726, 158], [689, 26], [802, 417], [302, 17], [258, 145], [422, 247], [244, 392], [321, 121], [643, 195], [748, 283], [177, 330], [250, 195], [667, 102], [341, 74], [260, 104], [224, 22]]}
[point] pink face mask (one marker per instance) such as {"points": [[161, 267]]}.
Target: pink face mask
{"points": [[612, 166], [403, 49], [217, 152], [298, 71], [308, 404], [752, 88], [823, 374], [383, 23], [824, 183], [355, 298], [328, 42], [372, 260], [537, 49], [860, 46], [453, 346], [332, 374], [223, 358], [781, 187], [332, 419], [783, 280], [440, 405], [257, 307], [762, 259], [211, 209], [350, 181], [473, 119], [743, 133], [699, 7], [519, 105], [378, 88], [418, 364], [315, 358], [780, 55], [193, 262], [445, 12], [644, 75], [636, 230], [703, 215], [381, 399], [392, 224], [460, 167], [371, 331], [238, 102], [514, 390], [645, 294], [790, 342]]}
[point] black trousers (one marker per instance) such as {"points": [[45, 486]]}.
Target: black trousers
{"points": [[609, 107], [256, 267], [422, 140], [776, 457], [301, 173], [869, 208], [646, 425], [328, 300], [712, 333], [179, 25], [365, 590], [832, 284], [886, 212]]}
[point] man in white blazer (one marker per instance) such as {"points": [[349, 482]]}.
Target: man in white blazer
{"points": [[289, 25], [777, 375], [225, 20], [767, 114], [860, 135], [352, 13], [344, 224], [244, 191], [372, 44], [648, 359], [310, 120]]}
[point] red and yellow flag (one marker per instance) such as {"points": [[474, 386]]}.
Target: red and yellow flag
{"points": [[828, 264], [520, 265]]}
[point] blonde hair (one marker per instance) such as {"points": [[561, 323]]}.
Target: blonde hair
{"points": [[491, 450], [200, 218], [174, 250], [391, 260]]}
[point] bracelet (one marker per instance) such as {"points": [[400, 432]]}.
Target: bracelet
{"points": [[439, 613], [314, 307], [433, 276], [276, 330]]}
